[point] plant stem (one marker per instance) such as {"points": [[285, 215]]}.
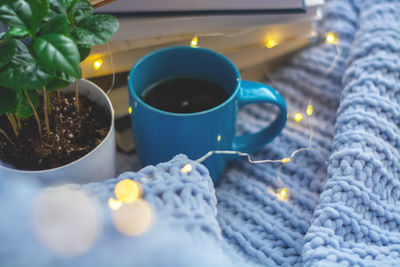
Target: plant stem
{"points": [[6, 136], [77, 97], [46, 115], [19, 125], [13, 123], [49, 108], [59, 96], [34, 114]]}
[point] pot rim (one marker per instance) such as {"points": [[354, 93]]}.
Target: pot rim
{"points": [[110, 106]]}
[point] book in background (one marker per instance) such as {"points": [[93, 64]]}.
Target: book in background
{"points": [[231, 35], [251, 41], [185, 7]]}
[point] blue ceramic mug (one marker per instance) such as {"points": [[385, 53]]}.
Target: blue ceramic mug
{"points": [[159, 135]]}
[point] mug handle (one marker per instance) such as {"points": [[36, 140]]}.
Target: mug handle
{"points": [[255, 92]]}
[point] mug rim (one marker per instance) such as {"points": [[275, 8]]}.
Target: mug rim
{"points": [[162, 50]]}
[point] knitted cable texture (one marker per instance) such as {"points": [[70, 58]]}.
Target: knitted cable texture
{"points": [[343, 204], [357, 221], [261, 227]]}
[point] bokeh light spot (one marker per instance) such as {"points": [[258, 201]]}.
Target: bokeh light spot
{"points": [[127, 191], [66, 220], [133, 219]]}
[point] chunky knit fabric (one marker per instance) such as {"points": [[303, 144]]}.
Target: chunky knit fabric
{"points": [[357, 220], [343, 196]]}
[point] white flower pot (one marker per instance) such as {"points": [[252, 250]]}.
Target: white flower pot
{"points": [[97, 165]]}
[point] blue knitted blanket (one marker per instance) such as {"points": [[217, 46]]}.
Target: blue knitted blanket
{"points": [[343, 197]]}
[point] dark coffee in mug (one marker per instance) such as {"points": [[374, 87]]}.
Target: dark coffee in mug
{"points": [[185, 95]]}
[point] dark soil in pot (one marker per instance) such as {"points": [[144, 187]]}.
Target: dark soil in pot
{"points": [[72, 135]]}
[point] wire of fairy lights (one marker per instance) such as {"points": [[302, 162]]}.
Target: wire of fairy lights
{"points": [[330, 39], [112, 68], [132, 215]]}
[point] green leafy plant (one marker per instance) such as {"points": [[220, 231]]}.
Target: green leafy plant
{"points": [[41, 51]]}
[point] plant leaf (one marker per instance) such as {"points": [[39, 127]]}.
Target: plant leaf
{"points": [[14, 14], [24, 110], [17, 32], [81, 9], [62, 80], [56, 84], [84, 51], [26, 14], [95, 29], [56, 7], [3, 2], [70, 3], [9, 100], [40, 9], [66, 77], [58, 52], [7, 50], [57, 24], [24, 71]]}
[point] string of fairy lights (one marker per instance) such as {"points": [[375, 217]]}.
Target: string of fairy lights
{"points": [[128, 191]]}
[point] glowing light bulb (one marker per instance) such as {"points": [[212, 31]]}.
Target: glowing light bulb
{"points": [[286, 160], [130, 110], [283, 192], [187, 168], [310, 110], [330, 38], [114, 204], [194, 41], [127, 191], [270, 43], [97, 64], [298, 117], [219, 138]]}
